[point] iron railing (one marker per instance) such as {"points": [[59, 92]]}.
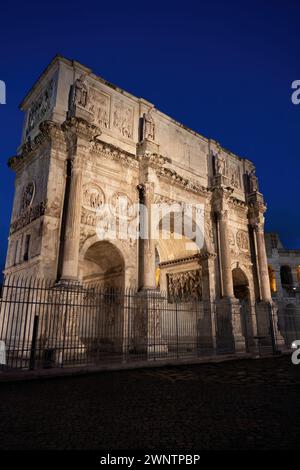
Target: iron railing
{"points": [[48, 324]]}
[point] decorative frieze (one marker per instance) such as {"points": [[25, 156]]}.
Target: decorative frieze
{"points": [[49, 131], [29, 216], [88, 217]]}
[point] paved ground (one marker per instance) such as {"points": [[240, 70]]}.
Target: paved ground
{"points": [[250, 404]]}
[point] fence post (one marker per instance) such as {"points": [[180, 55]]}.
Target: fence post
{"points": [[177, 332], [273, 339], [33, 342]]}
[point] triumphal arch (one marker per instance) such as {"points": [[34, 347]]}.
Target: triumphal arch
{"points": [[89, 148]]}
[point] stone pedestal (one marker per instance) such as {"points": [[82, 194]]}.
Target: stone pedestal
{"points": [[206, 336], [229, 327], [147, 327], [267, 325], [62, 327]]}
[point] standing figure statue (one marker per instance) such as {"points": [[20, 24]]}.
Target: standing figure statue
{"points": [[220, 165], [253, 181], [148, 126], [80, 92]]}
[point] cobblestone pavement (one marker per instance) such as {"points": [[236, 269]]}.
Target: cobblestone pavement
{"points": [[248, 404]]}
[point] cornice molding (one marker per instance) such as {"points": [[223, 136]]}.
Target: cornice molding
{"points": [[49, 132], [112, 152], [203, 255], [173, 178]]}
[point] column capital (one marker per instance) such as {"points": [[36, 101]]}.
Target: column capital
{"points": [[258, 227], [76, 128], [222, 215]]}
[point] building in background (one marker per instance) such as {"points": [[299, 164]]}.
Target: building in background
{"points": [[284, 270], [284, 274]]}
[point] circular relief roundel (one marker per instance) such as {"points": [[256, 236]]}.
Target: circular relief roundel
{"points": [[122, 206], [242, 240], [93, 197]]}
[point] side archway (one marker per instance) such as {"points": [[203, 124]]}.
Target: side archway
{"points": [[240, 284], [102, 263]]}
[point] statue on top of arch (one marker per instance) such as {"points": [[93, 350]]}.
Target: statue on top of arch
{"points": [[220, 165], [253, 181], [148, 126], [80, 92]]}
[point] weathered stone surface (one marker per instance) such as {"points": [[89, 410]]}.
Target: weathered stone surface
{"points": [[87, 143]]}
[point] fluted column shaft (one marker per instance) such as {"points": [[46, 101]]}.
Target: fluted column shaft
{"points": [[227, 281], [262, 264], [147, 243], [72, 234]]}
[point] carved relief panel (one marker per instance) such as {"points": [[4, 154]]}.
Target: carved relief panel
{"points": [[40, 107], [122, 205], [93, 197], [123, 119], [93, 200], [99, 106], [230, 235], [234, 176], [27, 197], [185, 286], [242, 240]]}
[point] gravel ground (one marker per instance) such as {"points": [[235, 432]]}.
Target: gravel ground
{"points": [[248, 404]]}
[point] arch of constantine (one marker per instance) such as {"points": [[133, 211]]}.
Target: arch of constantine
{"points": [[87, 145]]}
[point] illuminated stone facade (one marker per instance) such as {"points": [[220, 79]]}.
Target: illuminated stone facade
{"points": [[87, 142]]}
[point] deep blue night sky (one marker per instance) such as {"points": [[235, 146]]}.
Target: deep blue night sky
{"points": [[223, 68]]}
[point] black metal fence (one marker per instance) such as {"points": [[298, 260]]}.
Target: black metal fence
{"points": [[44, 324]]}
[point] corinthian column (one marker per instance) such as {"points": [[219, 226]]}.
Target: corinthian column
{"points": [[226, 273], [147, 243], [72, 233], [262, 263], [78, 134]]}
